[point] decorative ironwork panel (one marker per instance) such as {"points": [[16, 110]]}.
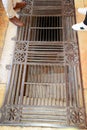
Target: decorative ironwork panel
{"points": [[45, 86]]}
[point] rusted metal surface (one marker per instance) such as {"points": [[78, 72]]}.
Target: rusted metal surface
{"points": [[45, 86]]}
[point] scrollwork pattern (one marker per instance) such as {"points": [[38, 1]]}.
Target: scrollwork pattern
{"points": [[68, 2], [19, 57], [11, 114], [71, 47], [69, 10], [20, 46], [71, 53], [28, 8], [76, 116]]}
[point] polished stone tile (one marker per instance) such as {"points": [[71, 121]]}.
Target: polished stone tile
{"points": [[83, 55], [3, 26]]}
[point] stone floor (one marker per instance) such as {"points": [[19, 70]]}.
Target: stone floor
{"points": [[7, 32], [7, 44], [3, 26]]}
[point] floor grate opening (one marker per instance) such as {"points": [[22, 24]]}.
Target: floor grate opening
{"points": [[46, 29], [49, 21], [45, 74], [46, 35]]}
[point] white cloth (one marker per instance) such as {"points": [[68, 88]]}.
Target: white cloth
{"points": [[9, 5]]}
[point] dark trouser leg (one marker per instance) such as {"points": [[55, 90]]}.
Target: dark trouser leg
{"points": [[85, 20]]}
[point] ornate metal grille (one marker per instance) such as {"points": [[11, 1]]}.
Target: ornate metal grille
{"points": [[45, 87]]}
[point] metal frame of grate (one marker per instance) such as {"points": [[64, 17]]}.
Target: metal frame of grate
{"points": [[45, 86]]}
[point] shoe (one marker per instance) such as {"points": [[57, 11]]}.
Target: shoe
{"points": [[79, 27], [82, 10], [16, 21], [20, 5]]}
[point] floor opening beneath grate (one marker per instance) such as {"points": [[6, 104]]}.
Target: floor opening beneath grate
{"points": [[46, 29], [45, 86]]}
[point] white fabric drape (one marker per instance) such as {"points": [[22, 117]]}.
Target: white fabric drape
{"points": [[9, 5]]}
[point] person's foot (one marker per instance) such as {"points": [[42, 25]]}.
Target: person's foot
{"points": [[79, 27], [82, 10], [20, 5], [16, 21]]}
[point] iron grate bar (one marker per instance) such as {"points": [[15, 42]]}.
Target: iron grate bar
{"points": [[45, 86]]}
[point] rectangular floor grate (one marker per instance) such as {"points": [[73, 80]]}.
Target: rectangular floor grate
{"points": [[45, 86]]}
